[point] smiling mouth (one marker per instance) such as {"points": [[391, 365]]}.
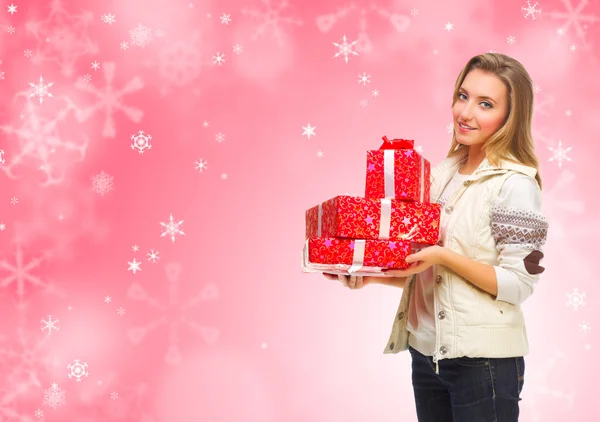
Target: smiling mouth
{"points": [[465, 127]]}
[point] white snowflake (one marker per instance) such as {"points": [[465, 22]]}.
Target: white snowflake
{"points": [[223, 176], [345, 49], [114, 395], [220, 137], [308, 131], [449, 27], [375, 93], [531, 11], [201, 165], [153, 255], [225, 19], [121, 311], [124, 45], [537, 88], [205, 123], [110, 99], [141, 141], [134, 266], [102, 183], [10, 29], [363, 103], [2, 227], [12, 9], [1, 75], [271, 18], [95, 65], [560, 154], [135, 248], [14, 200], [50, 324], [219, 59], [2, 160], [172, 311], [585, 326], [108, 18], [575, 17], [40, 90], [575, 299], [140, 35], [237, 49], [320, 154], [28, 53], [171, 228], [511, 39], [414, 12], [77, 370], [54, 396], [364, 79], [573, 47], [158, 33], [107, 299], [87, 78], [39, 413]]}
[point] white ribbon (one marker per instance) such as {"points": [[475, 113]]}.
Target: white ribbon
{"points": [[358, 258], [385, 219], [388, 173]]}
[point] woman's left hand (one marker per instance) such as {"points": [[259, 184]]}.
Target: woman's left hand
{"points": [[420, 261]]}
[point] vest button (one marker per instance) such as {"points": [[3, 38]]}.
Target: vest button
{"points": [[449, 209], [443, 350], [400, 315], [438, 279], [440, 242], [392, 346], [467, 182], [441, 315]]}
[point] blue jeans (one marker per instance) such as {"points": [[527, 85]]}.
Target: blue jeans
{"points": [[467, 389]]}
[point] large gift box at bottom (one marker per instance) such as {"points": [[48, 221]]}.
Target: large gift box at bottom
{"points": [[354, 256]]}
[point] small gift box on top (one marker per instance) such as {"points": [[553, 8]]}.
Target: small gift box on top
{"points": [[397, 171]]}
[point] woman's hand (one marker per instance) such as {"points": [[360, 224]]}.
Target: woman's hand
{"points": [[420, 261], [350, 281]]}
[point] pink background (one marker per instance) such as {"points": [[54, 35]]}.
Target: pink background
{"points": [[224, 326]]}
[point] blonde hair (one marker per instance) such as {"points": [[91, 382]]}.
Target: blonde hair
{"points": [[513, 141]]}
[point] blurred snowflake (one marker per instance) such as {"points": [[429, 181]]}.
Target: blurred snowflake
{"points": [[271, 17], [173, 313], [54, 396], [575, 17], [108, 18], [102, 183], [141, 35]]}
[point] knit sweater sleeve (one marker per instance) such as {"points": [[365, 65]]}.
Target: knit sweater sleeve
{"points": [[519, 228]]}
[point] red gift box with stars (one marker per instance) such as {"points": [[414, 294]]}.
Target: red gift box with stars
{"points": [[397, 171], [354, 217], [355, 255]]}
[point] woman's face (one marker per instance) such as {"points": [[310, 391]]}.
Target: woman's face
{"points": [[482, 104]]}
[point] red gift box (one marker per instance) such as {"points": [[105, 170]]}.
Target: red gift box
{"points": [[353, 255], [366, 218], [397, 171]]}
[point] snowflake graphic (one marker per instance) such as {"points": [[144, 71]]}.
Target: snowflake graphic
{"points": [[87, 78], [114, 395], [560, 154], [173, 313], [102, 183], [220, 137], [121, 311], [134, 266], [375, 93], [225, 19], [62, 37], [237, 49], [108, 18], [575, 17], [2, 160], [54, 396], [77, 370], [28, 53], [153, 255], [39, 413], [107, 299], [50, 324], [110, 99], [219, 59], [40, 90], [575, 299], [14, 200], [345, 49], [135, 248], [172, 228], [363, 103], [364, 44], [364, 79], [201, 165], [511, 39], [95, 65], [10, 29], [124, 45], [585, 326], [308, 131], [271, 18], [20, 272], [141, 141], [28, 359], [531, 11], [141, 35], [39, 140]]}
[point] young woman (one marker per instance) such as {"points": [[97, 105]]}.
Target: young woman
{"points": [[460, 313]]}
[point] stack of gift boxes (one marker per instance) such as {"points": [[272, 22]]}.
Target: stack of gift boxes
{"points": [[361, 236]]}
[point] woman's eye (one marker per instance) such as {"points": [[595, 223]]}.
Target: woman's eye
{"points": [[460, 95], [490, 106]]}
